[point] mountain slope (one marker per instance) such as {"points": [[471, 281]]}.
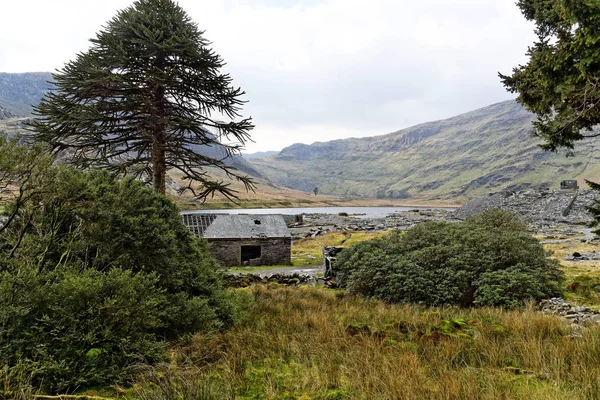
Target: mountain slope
{"points": [[19, 92], [459, 158], [219, 153], [259, 154], [5, 114]]}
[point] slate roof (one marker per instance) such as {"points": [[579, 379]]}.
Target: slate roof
{"points": [[237, 226]]}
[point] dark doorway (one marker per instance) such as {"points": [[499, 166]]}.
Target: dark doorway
{"points": [[250, 253]]}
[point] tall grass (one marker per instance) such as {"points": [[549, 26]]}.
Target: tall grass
{"points": [[15, 384], [310, 343]]}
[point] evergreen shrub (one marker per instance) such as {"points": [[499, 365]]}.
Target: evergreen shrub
{"points": [[488, 260], [96, 275]]}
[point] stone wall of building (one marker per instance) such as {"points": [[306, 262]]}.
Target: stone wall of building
{"points": [[228, 252]]}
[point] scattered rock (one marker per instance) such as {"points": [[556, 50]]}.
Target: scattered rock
{"points": [[318, 224], [245, 280], [577, 315], [576, 256]]}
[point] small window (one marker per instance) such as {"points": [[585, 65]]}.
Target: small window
{"points": [[250, 253], [257, 222]]}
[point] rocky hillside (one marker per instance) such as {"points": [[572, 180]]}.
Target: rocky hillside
{"points": [[13, 126], [259, 154], [20, 92], [5, 114], [459, 158], [219, 153]]}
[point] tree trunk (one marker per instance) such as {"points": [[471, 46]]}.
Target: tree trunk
{"points": [[159, 166]]}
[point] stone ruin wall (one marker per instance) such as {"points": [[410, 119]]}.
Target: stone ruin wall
{"points": [[228, 252]]}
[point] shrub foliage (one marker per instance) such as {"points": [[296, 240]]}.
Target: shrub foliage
{"points": [[489, 259], [96, 273]]}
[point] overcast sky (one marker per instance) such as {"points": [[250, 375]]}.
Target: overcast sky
{"points": [[314, 70]]}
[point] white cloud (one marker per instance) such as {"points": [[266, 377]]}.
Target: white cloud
{"points": [[315, 70]]}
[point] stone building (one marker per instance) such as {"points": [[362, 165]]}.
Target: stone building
{"points": [[569, 185], [244, 239]]}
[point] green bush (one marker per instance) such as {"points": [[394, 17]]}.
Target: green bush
{"points": [[96, 273], [72, 328], [489, 259]]}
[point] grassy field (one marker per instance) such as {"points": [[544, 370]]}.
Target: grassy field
{"points": [[314, 343], [311, 343], [582, 277], [309, 251]]}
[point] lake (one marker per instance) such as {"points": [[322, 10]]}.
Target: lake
{"points": [[362, 212]]}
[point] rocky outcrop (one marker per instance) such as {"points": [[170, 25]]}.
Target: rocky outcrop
{"points": [[538, 208], [14, 126]]}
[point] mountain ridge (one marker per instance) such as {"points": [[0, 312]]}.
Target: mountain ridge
{"points": [[487, 149]]}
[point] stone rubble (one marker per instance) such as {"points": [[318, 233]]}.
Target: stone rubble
{"points": [[583, 257], [315, 225], [247, 279], [578, 316]]}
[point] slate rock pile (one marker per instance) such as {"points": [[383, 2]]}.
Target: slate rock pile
{"points": [[577, 315], [245, 280], [537, 208]]}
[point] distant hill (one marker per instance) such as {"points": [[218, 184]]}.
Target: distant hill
{"points": [[259, 154], [20, 92], [458, 158]]}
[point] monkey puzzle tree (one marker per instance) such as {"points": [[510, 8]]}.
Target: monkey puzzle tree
{"points": [[143, 97], [561, 82]]}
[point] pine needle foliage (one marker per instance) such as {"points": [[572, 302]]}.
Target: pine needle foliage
{"points": [[561, 81], [141, 100]]}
